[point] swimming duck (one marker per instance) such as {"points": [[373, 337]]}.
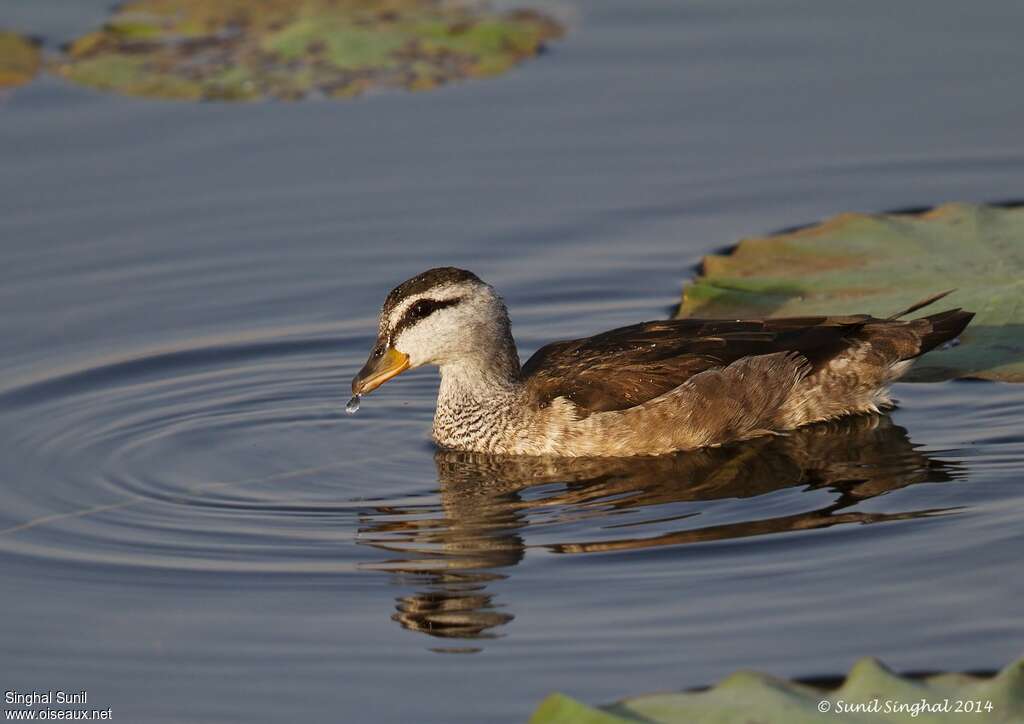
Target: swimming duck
{"points": [[647, 389]]}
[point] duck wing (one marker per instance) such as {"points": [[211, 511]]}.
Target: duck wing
{"points": [[631, 365]]}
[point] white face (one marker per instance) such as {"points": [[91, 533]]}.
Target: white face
{"points": [[445, 323]]}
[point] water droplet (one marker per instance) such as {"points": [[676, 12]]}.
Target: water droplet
{"points": [[353, 405]]}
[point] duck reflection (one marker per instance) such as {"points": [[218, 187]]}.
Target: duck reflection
{"points": [[454, 551]]}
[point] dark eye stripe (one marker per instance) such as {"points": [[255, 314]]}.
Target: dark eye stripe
{"points": [[421, 310]]}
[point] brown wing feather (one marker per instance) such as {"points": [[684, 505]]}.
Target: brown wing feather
{"points": [[628, 366]]}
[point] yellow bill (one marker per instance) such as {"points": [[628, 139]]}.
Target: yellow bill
{"points": [[380, 368]]}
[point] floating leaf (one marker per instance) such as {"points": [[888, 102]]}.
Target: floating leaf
{"points": [[878, 264], [19, 59], [871, 694], [249, 49]]}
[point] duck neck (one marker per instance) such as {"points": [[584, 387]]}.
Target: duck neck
{"points": [[476, 402]]}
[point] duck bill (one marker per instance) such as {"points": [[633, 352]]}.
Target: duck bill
{"points": [[379, 370]]}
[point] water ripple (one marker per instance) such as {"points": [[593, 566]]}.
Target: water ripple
{"points": [[212, 456]]}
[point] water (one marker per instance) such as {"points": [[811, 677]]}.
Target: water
{"points": [[191, 528]]}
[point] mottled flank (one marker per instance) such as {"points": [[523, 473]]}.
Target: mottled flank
{"points": [[876, 263], [236, 50], [19, 59], [870, 693]]}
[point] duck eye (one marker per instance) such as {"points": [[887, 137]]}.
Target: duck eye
{"points": [[422, 308]]}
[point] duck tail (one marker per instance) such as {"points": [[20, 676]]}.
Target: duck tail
{"points": [[944, 326], [912, 338]]}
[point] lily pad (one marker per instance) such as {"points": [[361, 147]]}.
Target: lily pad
{"points": [[289, 49], [19, 59], [871, 694], [879, 264]]}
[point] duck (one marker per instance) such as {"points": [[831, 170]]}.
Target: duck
{"points": [[651, 388]]}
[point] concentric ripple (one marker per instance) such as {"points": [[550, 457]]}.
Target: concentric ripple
{"points": [[221, 455]]}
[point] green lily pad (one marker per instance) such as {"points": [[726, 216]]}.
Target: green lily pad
{"points": [[879, 264], [289, 49], [19, 59], [871, 694]]}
